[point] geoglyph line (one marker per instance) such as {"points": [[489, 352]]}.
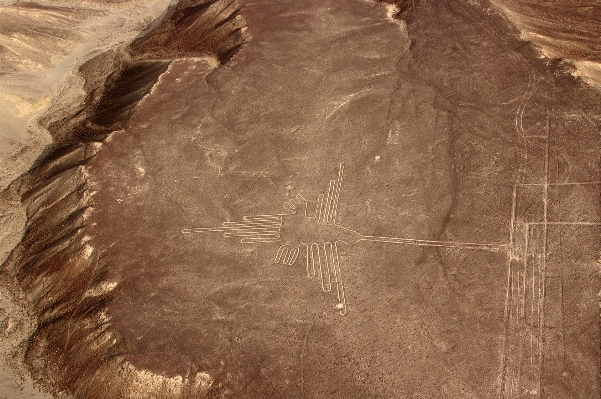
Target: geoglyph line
{"points": [[581, 183], [321, 258], [252, 229], [526, 293], [515, 302], [434, 243], [543, 269]]}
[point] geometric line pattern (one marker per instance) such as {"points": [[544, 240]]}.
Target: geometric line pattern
{"points": [[310, 230], [525, 325]]}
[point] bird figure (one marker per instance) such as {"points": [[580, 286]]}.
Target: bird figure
{"points": [[309, 230], [304, 229]]}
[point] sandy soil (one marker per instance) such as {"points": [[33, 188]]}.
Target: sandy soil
{"points": [[40, 80], [432, 154]]}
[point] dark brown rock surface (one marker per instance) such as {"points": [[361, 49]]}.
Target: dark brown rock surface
{"points": [[431, 151], [461, 181]]}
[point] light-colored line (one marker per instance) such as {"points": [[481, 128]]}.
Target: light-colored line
{"points": [[292, 255], [310, 272], [203, 230], [536, 253], [259, 240], [520, 111], [519, 127], [583, 183], [524, 279], [253, 229], [524, 166], [506, 323], [544, 262], [290, 258], [511, 334], [264, 222], [288, 208], [315, 256], [279, 253], [319, 208], [277, 216], [533, 137], [258, 220], [249, 225], [506, 313], [335, 270], [339, 282], [246, 220], [433, 243], [324, 207], [516, 322], [560, 250], [527, 233], [254, 223], [512, 222], [338, 189], [302, 359], [536, 293], [566, 223], [257, 234], [333, 183], [252, 235], [519, 114], [208, 229], [334, 202], [326, 215], [327, 287], [522, 319]]}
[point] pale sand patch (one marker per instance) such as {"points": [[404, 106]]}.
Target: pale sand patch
{"points": [[590, 71]]}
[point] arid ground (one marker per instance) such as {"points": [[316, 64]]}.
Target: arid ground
{"points": [[311, 199]]}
